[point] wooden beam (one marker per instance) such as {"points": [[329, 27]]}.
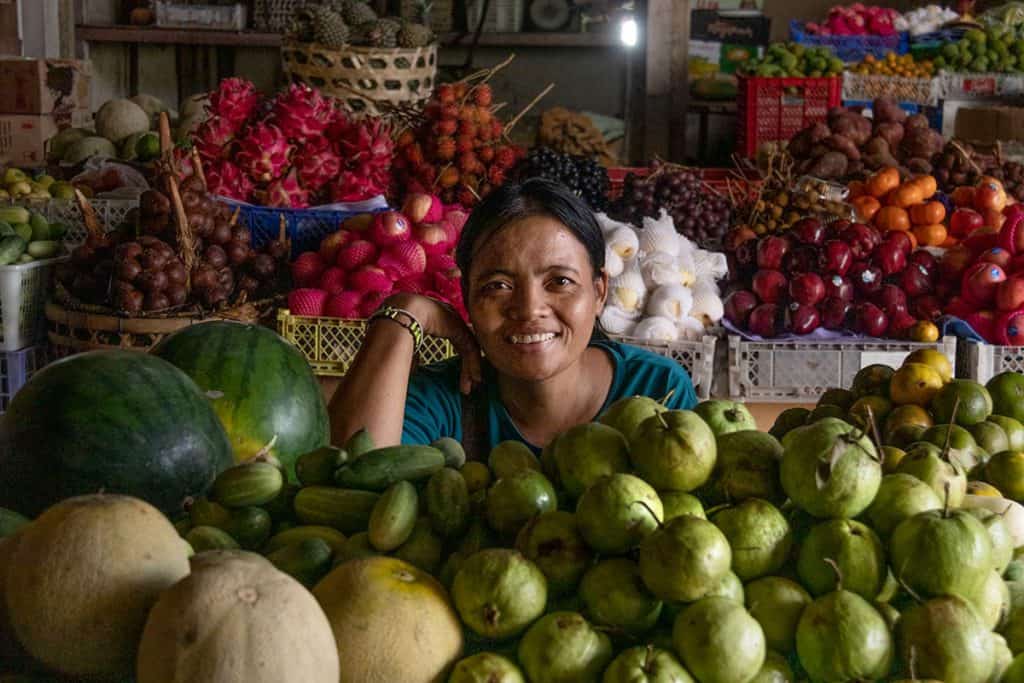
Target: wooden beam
{"points": [[10, 36], [680, 95], [658, 77]]}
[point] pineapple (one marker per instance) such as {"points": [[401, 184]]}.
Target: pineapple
{"points": [[330, 30], [301, 28], [415, 35], [356, 12], [381, 33]]}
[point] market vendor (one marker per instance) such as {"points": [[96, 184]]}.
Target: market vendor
{"points": [[533, 278]]}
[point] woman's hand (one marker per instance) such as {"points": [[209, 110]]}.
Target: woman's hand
{"points": [[441, 320]]}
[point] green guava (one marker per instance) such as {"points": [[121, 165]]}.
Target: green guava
{"points": [[999, 534], [562, 647], [777, 604], [924, 461], [854, 547], [585, 453], [553, 542], [944, 639], [724, 417], [486, 667], [518, 497], [674, 451], [991, 601], [510, 456], [842, 637], [759, 536], [729, 587], [719, 642], [646, 664], [617, 512], [684, 559], [899, 496], [615, 596], [747, 467], [498, 593], [676, 504], [627, 414], [774, 670], [1013, 626], [941, 552]]}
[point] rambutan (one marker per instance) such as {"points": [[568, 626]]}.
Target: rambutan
{"points": [[445, 94], [446, 127], [482, 95], [485, 154], [444, 149], [449, 177], [468, 162]]}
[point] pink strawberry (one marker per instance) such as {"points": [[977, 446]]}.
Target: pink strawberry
{"points": [[434, 237], [411, 257], [390, 227], [307, 301], [371, 302], [332, 244], [333, 280], [343, 305], [442, 263], [456, 217], [414, 284], [371, 279], [307, 269], [357, 253]]}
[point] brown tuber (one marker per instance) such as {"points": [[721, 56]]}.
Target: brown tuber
{"points": [[843, 144], [887, 110], [830, 165], [891, 132]]}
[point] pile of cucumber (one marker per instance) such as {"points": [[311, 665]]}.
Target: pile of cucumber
{"points": [[26, 236]]}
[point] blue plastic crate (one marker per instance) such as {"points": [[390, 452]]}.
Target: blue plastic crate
{"points": [[851, 48], [16, 367], [934, 114], [305, 227], [929, 44]]}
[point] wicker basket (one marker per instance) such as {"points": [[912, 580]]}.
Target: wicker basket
{"points": [[366, 79], [274, 16]]}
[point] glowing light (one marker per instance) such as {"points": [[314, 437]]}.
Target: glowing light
{"points": [[628, 32]]}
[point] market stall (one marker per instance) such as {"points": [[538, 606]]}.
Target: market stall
{"points": [[839, 498]]}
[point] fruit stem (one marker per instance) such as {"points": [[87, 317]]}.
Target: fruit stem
{"points": [[874, 431], [945, 503], [665, 399], [839, 574], [649, 659], [661, 419], [949, 429], [910, 591], [653, 514]]}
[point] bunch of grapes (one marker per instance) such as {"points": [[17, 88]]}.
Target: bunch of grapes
{"points": [[698, 214], [583, 175]]}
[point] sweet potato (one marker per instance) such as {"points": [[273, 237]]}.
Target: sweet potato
{"points": [[830, 165], [853, 126], [923, 143], [855, 168], [819, 131], [887, 110], [818, 150], [877, 154], [878, 145], [841, 143], [891, 132], [917, 121], [800, 145]]}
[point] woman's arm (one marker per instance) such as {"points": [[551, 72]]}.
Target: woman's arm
{"points": [[373, 392]]}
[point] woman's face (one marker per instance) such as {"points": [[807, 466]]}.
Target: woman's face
{"points": [[533, 298]]}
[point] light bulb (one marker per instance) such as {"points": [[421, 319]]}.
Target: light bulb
{"points": [[628, 32]]}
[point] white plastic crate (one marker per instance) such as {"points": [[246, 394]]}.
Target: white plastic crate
{"points": [[110, 212], [16, 367], [982, 362], [503, 16], [696, 357], [23, 292], [801, 371]]}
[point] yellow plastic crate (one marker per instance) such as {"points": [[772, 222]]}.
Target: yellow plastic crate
{"points": [[330, 344]]}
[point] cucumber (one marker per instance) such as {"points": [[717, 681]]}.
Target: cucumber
{"points": [[11, 521], [254, 483], [249, 526], [347, 510], [307, 561], [11, 248], [317, 468], [357, 546], [282, 508], [23, 230], [204, 512], [25, 258], [454, 453], [382, 467], [210, 538], [359, 444], [40, 228], [333, 537], [393, 517], [6, 230], [14, 214], [510, 456], [44, 248], [423, 549], [447, 503]]}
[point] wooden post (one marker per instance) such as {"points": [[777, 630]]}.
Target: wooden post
{"points": [[10, 34]]}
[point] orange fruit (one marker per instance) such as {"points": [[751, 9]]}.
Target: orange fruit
{"points": [[866, 207], [930, 235], [928, 213], [924, 331], [903, 416], [914, 383], [934, 358], [892, 218], [883, 182]]}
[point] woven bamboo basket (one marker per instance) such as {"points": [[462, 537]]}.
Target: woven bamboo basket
{"points": [[367, 80]]}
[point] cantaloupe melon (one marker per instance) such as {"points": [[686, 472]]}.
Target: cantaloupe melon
{"points": [[392, 622], [83, 577], [236, 618]]}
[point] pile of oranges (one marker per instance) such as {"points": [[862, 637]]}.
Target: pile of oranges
{"points": [[888, 204], [895, 65]]}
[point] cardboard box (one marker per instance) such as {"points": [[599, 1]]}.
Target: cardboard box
{"points": [[23, 137], [988, 125], [44, 86], [720, 42]]}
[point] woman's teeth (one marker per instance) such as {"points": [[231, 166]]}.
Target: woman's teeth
{"points": [[532, 338]]}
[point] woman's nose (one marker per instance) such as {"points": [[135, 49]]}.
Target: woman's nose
{"points": [[527, 302]]}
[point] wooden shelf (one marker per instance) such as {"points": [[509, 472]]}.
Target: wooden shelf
{"points": [[164, 36]]}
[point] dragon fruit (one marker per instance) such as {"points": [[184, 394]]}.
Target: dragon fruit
{"points": [[214, 136], [318, 164], [264, 152], [301, 112], [234, 101], [287, 192], [367, 148], [227, 180]]}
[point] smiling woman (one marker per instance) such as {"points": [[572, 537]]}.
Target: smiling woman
{"points": [[532, 262]]}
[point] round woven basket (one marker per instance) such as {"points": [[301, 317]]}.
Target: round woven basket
{"points": [[365, 79]]}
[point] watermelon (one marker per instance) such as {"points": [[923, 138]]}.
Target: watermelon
{"points": [[261, 387], [113, 421]]}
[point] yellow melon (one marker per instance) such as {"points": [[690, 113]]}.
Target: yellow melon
{"points": [[236, 617], [83, 578], [392, 622]]}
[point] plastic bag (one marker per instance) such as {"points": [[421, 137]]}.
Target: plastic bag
{"points": [[111, 179]]}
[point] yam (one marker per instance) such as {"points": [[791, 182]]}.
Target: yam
{"points": [[841, 143], [878, 145], [892, 133], [917, 121], [887, 110], [922, 143], [855, 168], [819, 131], [830, 165]]}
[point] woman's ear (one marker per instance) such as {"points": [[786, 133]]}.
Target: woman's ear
{"points": [[601, 286]]}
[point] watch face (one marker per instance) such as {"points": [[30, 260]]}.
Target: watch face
{"points": [[549, 15]]}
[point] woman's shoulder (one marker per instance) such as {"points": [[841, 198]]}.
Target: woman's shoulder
{"points": [[637, 357], [442, 375], [640, 372]]}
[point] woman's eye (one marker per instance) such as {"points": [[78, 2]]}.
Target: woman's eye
{"points": [[494, 286], [561, 281]]}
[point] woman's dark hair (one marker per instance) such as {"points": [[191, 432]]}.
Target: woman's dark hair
{"points": [[534, 197]]}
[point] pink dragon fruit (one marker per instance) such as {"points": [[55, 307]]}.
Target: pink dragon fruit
{"points": [[301, 112], [367, 148], [214, 136], [227, 180], [318, 164], [287, 192], [264, 152], [234, 100]]}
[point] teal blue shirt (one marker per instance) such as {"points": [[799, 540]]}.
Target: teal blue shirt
{"points": [[433, 407]]}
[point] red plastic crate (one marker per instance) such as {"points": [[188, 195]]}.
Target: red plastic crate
{"points": [[775, 109]]}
